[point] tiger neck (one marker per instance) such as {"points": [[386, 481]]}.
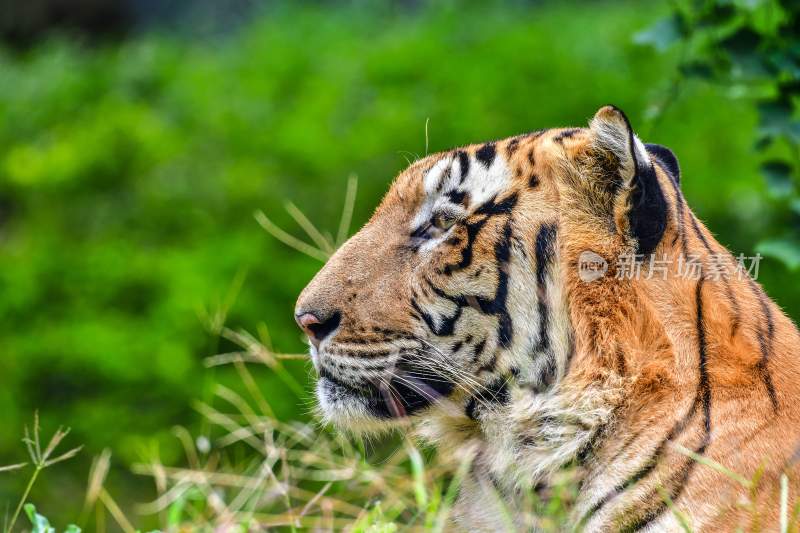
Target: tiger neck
{"points": [[596, 350]]}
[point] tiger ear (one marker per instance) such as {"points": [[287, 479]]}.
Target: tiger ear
{"points": [[613, 137], [640, 208], [667, 159]]}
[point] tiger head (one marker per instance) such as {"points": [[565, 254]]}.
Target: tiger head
{"points": [[458, 284]]}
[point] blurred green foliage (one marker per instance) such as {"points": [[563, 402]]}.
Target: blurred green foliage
{"points": [[129, 174], [751, 48]]}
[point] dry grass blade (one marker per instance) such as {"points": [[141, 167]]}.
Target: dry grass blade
{"points": [[427, 138], [97, 477], [243, 357], [252, 388], [743, 481], [316, 498], [347, 210], [259, 350], [680, 516], [251, 345], [166, 499], [282, 488], [290, 240], [784, 503], [120, 518], [237, 401], [214, 320], [189, 448], [40, 460], [10, 468], [322, 242], [34, 448], [64, 456], [55, 440]]}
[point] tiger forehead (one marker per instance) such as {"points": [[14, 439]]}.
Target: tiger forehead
{"points": [[477, 166], [429, 177]]}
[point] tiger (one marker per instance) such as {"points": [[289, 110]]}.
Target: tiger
{"points": [[549, 301]]}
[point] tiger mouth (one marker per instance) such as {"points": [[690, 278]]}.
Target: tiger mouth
{"points": [[397, 395]]}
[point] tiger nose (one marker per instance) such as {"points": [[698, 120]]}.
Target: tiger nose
{"points": [[318, 325]]}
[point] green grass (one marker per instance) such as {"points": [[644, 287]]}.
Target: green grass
{"points": [[256, 472]]}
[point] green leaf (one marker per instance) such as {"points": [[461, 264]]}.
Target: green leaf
{"points": [[779, 177], [697, 69], [775, 117], [763, 142], [744, 41], [718, 14], [786, 250], [40, 523], [663, 34], [743, 47], [786, 63]]}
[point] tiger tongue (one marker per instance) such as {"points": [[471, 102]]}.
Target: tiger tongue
{"points": [[395, 406]]}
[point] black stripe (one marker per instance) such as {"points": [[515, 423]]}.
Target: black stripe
{"points": [[765, 343], [545, 254], [487, 210], [570, 349], [699, 233], [473, 229], [420, 233], [495, 392], [621, 366], [502, 254], [443, 178], [704, 386], [458, 197], [486, 154], [566, 134], [492, 207], [680, 205], [646, 468], [623, 448], [545, 251], [496, 306], [447, 325], [463, 163], [479, 349], [547, 374], [587, 451], [729, 295]]}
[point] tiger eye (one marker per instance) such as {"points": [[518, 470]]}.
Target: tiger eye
{"points": [[444, 220]]}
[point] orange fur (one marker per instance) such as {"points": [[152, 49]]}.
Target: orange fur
{"points": [[639, 344]]}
